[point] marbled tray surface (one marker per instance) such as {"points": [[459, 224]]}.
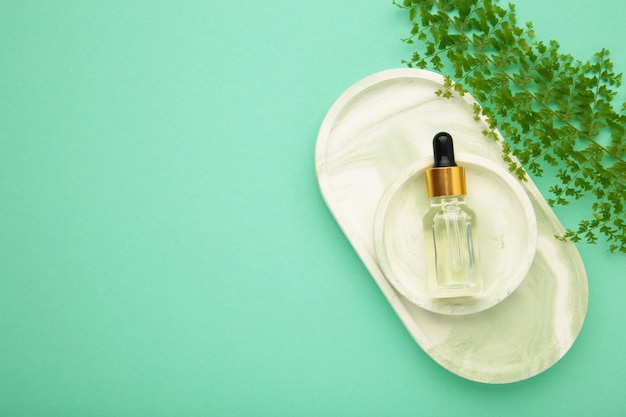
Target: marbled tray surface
{"points": [[373, 132]]}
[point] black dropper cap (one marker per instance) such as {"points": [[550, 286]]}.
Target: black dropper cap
{"points": [[443, 150], [445, 178]]}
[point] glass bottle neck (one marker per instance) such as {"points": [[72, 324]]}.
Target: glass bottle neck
{"points": [[447, 200]]}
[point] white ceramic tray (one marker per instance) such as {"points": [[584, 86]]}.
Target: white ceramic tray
{"points": [[371, 135]]}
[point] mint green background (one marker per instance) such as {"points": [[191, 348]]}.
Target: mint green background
{"points": [[164, 249]]}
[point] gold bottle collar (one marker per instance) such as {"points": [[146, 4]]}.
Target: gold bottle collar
{"points": [[445, 181]]}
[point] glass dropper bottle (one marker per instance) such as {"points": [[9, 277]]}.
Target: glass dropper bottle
{"points": [[450, 227]]}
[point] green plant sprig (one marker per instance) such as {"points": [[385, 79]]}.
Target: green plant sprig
{"points": [[550, 108]]}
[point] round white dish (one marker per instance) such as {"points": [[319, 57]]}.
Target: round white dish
{"points": [[506, 229]]}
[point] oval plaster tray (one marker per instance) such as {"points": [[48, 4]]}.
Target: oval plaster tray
{"points": [[373, 132]]}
